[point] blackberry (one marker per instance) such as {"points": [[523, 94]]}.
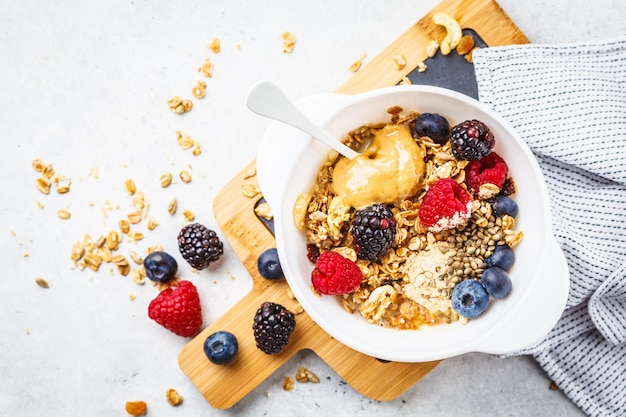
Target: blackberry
{"points": [[471, 140], [273, 324], [373, 230], [199, 245]]}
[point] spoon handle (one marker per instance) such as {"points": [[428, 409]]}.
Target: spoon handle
{"points": [[266, 99]]}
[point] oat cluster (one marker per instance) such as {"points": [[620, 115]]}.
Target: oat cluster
{"points": [[412, 283]]}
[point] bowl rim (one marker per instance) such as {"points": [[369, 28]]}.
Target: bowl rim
{"points": [[324, 108]]}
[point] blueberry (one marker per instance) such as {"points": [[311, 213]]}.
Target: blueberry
{"points": [[269, 265], [469, 298], [502, 204], [503, 257], [433, 125], [221, 347], [160, 266], [497, 282]]}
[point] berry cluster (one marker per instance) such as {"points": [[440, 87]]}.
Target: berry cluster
{"points": [[447, 205]]}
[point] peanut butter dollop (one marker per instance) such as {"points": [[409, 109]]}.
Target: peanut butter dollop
{"points": [[390, 169]]}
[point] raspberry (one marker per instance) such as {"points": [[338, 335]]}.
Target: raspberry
{"points": [[485, 178], [373, 229], [335, 275], [273, 324], [178, 309], [446, 205], [199, 245], [471, 140]]}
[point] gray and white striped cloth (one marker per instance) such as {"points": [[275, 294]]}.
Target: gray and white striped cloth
{"points": [[568, 102]]}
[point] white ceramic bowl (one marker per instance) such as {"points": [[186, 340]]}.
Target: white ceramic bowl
{"points": [[287, 163]]}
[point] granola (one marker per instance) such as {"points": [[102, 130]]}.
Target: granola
{"points": [[411, 285]]}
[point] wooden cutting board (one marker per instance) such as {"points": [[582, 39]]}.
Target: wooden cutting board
{"points": [[223, 386]]}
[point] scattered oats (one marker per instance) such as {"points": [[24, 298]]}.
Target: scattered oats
{"points": [[207, 68], [63, 214], [399, 62], [173, 397], [135, 257], [153, 248], [249, 173], [138, 275], [289, 42], [304, 375], [179, 105], [152, 223], [48, 171], [136, 408], [38, 165], [263, 210], [27, 330], [421, 67], [130, 186], [122, 264], [63, 185], [105, 254], [92, 261], [432, 48], [288, 383], [113, 240], [250, 190], [124, 226], [39, 204], [356, 65], [25, 255], [185, 176], [188, 215], [78, 250], [196, 149], [405, 81], [166, 179], [171, 207], [132, 297], [215, 46], [134, 217], [139, 201], [41, 282], [134, 235], [43, 185], [94, 172], [99, 242], [184, 140], [239, 47], [199, 90]]}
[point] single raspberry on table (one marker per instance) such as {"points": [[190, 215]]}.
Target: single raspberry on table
{"points": [[446, 205], [178, 309], [485, 177], [335, 274]]}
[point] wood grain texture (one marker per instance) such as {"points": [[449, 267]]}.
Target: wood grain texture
{"points": [[223, 386]]}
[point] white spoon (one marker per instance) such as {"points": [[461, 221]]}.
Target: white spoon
{"points": [[266, 99]]}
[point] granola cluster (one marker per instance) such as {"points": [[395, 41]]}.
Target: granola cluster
{"points": [[411, 285]]}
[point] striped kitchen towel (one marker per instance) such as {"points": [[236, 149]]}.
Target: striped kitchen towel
{"points": [[568, 102]]}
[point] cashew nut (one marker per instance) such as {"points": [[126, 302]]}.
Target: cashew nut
{"points": [[453, 29]]}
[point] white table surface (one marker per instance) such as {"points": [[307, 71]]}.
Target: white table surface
{"points": [[84, 87]]}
